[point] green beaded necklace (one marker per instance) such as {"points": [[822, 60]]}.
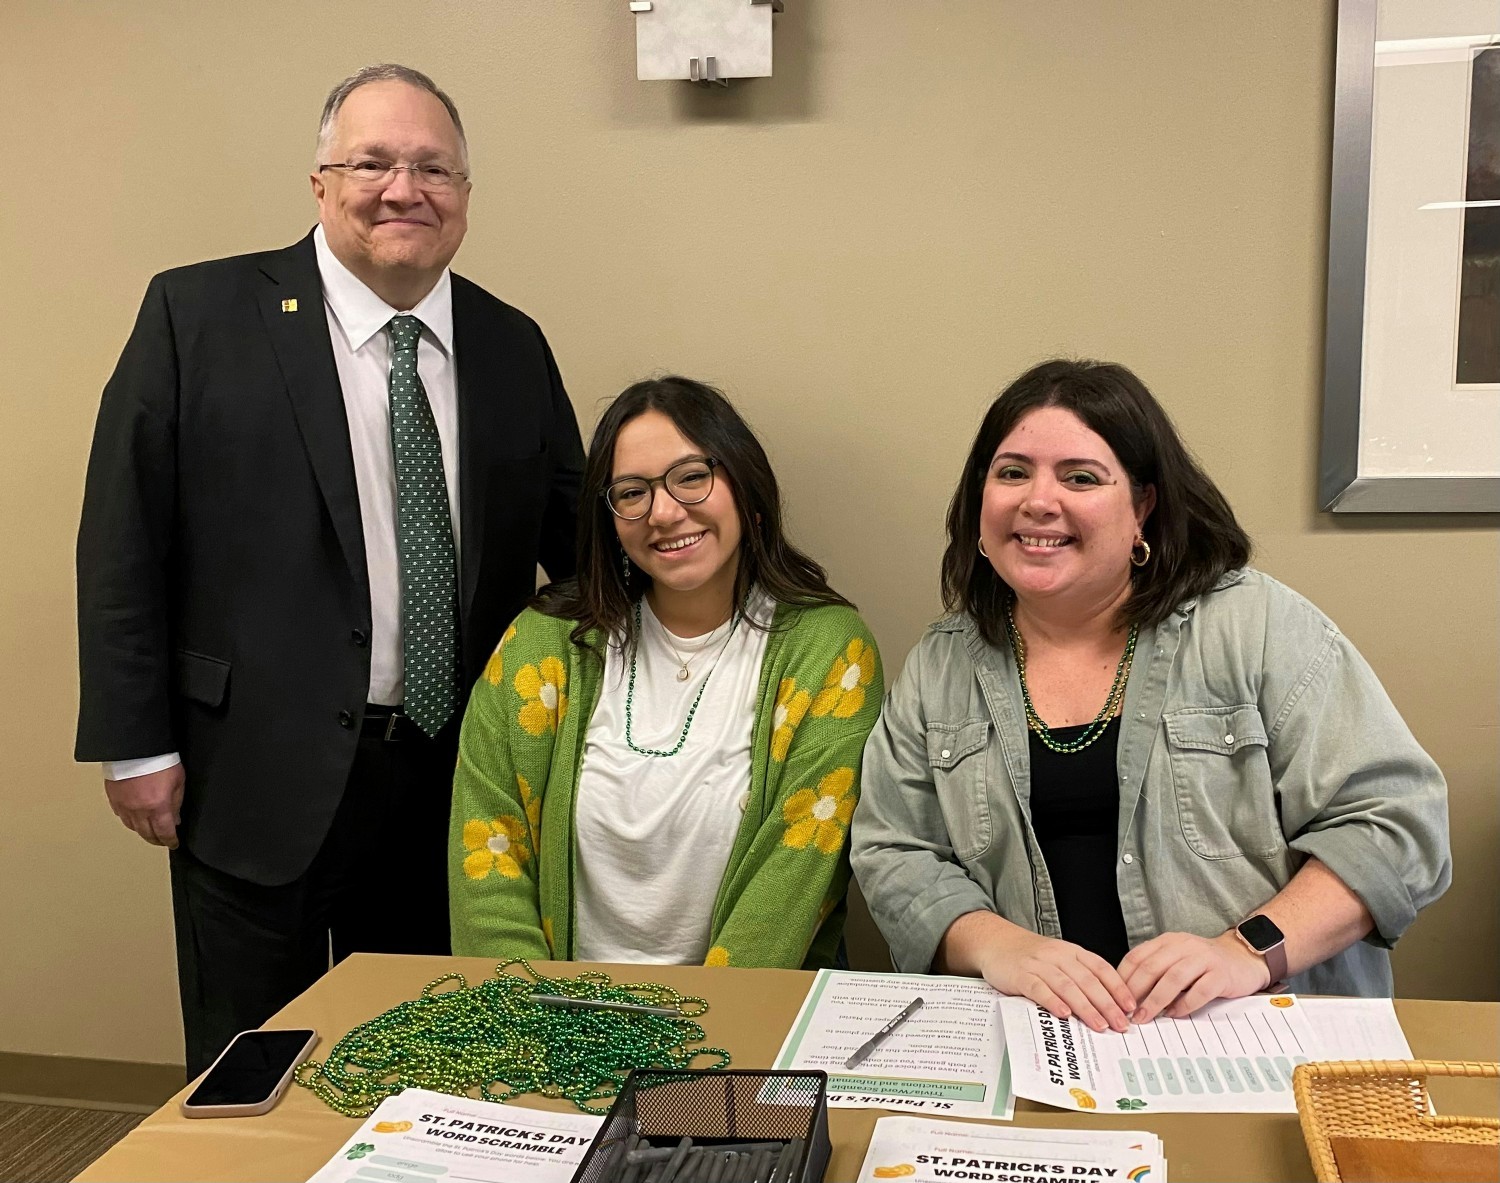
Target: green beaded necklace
{"points": [[1106, 712], [493, 1038], [692, 710]]}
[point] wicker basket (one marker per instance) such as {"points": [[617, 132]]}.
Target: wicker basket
{"points": [[1381, 1099]]}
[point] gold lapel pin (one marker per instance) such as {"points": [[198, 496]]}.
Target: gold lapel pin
{"points": [[289, 305]]}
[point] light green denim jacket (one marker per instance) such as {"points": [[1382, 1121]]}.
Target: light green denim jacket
{"points": [[1253, 736]]}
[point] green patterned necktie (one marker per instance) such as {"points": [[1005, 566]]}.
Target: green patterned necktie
{"points": [[424, 541]]}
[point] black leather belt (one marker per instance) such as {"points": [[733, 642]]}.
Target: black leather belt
{"points": [[388, 723]]}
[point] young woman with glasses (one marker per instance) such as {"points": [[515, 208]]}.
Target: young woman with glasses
{"points": [[662, 759]]}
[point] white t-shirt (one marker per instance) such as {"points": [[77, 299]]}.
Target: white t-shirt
{"points": [[654, 833]]}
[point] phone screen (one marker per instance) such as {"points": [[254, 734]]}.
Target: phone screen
{"points": [[251, 1068]]}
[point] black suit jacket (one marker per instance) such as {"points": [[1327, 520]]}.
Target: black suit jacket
{"points": [[223, 600]]}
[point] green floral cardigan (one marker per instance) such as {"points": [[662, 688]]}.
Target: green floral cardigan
{"points": [[511, 842]]}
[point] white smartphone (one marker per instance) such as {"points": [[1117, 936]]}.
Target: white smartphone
{"points": [[250, 1074]]}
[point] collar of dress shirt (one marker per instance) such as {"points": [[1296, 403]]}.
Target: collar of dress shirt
{"points": [[361, 314]]}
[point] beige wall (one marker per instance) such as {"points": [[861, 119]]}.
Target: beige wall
{"points": [[926, 198]]}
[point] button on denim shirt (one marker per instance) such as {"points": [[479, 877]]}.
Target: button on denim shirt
{"points": [[1253, 736]]}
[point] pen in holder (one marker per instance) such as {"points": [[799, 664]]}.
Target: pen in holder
{"points": [[746, 1124]]}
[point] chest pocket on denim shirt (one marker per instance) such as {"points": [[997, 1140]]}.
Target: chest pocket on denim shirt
{"points": [[958, 753], [1226, 803]]}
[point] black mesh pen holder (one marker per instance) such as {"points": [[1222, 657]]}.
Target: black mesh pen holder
{"points": [[734, 1125]]}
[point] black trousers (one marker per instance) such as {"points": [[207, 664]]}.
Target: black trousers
{"points": [[379, 884]]}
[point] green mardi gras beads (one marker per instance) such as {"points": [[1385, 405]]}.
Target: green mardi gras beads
{"points": [[493, 1038], [692, 710]]}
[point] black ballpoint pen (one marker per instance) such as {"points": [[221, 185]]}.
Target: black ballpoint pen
{"points": [[869, 1045]]}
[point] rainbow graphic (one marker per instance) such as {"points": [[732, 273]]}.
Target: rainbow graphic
{"points": [[1138, 1174]]}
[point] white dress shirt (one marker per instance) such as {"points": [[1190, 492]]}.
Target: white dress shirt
{"points": [[357, 318]]}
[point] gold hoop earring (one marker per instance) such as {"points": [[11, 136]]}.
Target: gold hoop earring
{"points": [[982, 551], [1140, 541]]}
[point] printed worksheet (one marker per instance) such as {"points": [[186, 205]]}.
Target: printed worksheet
{"points": [[948, 1057], [1233, 1056], [922, 1150], [419, 1134], [1356, 1029]]}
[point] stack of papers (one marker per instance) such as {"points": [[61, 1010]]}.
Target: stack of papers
{"points": [[967, 1048], [947, 1058], [419, 1134], [1232, 1056], [920, 1150]]}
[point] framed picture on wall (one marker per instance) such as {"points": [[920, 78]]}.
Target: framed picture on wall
{"points": [[1411, 394]]}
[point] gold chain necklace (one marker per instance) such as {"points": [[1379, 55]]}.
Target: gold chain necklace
{"points": [[1106, 712], [682, 671], [692, 710]]}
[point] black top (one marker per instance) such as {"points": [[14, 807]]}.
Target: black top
{"points": [[1075, 810]]}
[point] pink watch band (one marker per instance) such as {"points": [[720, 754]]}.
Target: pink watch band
{"points": [[1276, 963]]}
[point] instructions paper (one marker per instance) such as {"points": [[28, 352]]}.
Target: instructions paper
{"points": [[419, 1134], [949, 1057], [1233, 1056], [925, 1151]]}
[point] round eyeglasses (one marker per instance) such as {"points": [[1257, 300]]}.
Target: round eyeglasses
{"points": [[373, 173], [687, 482]]}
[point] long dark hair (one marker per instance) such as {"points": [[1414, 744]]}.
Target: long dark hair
{"points": [[600, 597], [1193, 533]]}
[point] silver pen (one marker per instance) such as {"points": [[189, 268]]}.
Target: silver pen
{"points": [[869, 1045], [635, 1008]]}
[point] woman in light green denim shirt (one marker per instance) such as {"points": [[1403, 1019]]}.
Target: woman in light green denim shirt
{"points": [[1261, 769]]}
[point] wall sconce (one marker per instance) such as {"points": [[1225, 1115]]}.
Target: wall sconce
{"points": [[703, 41]]}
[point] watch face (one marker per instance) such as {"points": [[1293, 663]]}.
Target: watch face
{"points": [[1262, 933]]}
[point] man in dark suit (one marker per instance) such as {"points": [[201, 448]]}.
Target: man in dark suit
{"points": [[321, 482]]}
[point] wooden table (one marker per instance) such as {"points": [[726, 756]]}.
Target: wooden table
{"points": [[750, 1013]]}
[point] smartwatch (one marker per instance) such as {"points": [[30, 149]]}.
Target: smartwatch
{"points": [[1260, 935]]}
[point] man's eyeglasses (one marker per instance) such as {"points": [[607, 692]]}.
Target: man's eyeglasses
{"points": [[375, 173], [688, 482]]}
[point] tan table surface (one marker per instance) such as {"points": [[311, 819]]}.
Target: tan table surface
{"points": [[750, 1013]]}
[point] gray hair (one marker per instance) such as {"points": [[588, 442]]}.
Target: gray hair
{"points": [[385, 72]]}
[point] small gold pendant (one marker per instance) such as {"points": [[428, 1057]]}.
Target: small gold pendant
{"points": [[682, 674]]}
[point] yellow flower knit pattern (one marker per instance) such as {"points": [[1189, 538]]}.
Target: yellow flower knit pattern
{"points": [[779, 902], [494, 670], [791, 705], [821, 816], [496, 845], [843, 690], [542, 687]]}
